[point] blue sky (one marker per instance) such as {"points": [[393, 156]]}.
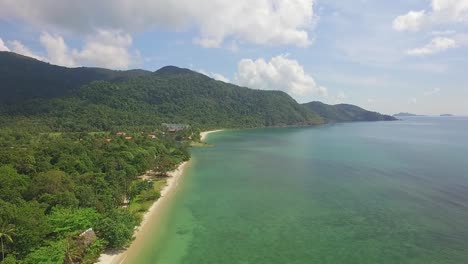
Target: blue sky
{"points": [[388, 56]]}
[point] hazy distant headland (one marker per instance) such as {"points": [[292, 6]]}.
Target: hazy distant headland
{"points": [[404, 114]]}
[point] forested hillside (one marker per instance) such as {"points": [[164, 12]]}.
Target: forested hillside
{"points": [[345, 113], [171, 95], [23, 78]]}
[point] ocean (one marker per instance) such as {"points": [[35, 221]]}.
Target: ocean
{"points": [[379, 192]]}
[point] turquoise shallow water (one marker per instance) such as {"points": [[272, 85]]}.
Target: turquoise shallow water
{"points": [[385, 192]]}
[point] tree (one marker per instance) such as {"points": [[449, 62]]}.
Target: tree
{"points": [[117, 228], [6, 231], [12, 184]]}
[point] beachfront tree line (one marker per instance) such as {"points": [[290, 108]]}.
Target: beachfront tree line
{"points": [[56, 186]]}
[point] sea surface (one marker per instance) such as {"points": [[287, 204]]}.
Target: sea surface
{"points": [[383, 192]]}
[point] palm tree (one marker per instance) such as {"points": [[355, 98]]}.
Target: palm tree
{"points": [[6, 231]]}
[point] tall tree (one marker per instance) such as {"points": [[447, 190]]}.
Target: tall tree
{"points": [[6, 231]]}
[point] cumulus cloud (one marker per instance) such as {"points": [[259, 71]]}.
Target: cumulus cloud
{"points": [[280, 73], [57, 50], [18, 47], [108, 49], [272, 22], [3, 47], [436, 45], [441, 12], [413, 21]]}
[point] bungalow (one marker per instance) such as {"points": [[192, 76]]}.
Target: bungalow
{"points": [[108, 139], [119, 134], [128, 138], [152, 136]]}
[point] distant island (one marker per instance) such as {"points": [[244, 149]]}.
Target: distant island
{"points": [[403, 114], [446, 115]]}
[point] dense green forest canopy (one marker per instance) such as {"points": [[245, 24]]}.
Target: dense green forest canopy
{"points": [[54, 186]]}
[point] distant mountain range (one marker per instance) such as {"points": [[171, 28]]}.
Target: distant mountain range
{"points": [[80, 99]]}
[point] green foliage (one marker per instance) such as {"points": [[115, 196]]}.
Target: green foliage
{"points": [[345, 113], [117, 228], [6, 233], [12, 184], [94, 251], [53, 253], [10, 259], [66, 221], [78, 181], [31, 227]]}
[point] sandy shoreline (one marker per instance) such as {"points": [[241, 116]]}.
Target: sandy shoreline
{"points": [[118, 257], [172, 182], [204, 134]]}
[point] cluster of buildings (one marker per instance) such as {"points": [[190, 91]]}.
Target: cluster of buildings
{"points": [[170, 128]]}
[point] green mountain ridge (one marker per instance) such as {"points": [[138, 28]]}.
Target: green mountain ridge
{"points": [[345, 113], [24, 78], [95, 99]]}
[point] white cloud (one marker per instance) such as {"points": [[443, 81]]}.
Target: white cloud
{"points": [[108, 49], [272, 22], [57, 50], [450, 10], [220, 77], [3, 47], [413, 21], [412, 101], [18, 47], [436, 45], [280, 73], [214, 75], [442, 12], [443, 32], [432, 92]]}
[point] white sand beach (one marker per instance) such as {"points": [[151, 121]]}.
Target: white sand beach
{"points": [[204, 134], [118, 257]]}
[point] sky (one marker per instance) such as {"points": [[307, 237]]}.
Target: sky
{"points": [[387, 56]]}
